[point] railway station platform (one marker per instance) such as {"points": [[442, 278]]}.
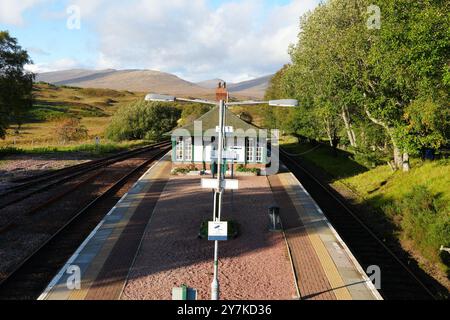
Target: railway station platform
{"points": [[325, 267], [149, 244]]}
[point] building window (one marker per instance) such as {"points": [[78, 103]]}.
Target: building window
{"points": [[179, 149], [259, 152], [188, 149], [250, 150]]}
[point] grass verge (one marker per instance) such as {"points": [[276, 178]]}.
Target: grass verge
{"points": [[91, 149]]}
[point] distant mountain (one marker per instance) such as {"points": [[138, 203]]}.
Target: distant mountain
{"points": [[132, 80], [255, 88], [252, 88], [209, 84], [152, 81], [67, 76]]}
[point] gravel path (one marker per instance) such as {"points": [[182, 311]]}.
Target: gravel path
{"points": [[255, 266], [22, 166]]}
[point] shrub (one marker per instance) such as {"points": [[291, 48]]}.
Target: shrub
{"points": [[94, 92], [184, 170], [241, 168], [426, 221], [143, 120], [71, 130], [247, 117], [191, 112], [367, 158]]}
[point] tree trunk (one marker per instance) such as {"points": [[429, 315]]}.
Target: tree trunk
{"points": [[398, 159], [405, 160], [348, 127], [328, 131]]}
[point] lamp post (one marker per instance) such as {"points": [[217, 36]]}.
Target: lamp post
{"points": [[215, 287], [218, 193]]}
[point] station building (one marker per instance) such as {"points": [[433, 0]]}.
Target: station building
{"points": [[196, 143]]}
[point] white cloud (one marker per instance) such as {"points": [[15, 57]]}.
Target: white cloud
{"points": [[235, 41], [189, 38], [61, 64], [11, 10]]}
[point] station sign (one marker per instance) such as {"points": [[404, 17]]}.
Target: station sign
{"points": [[239, 153], [227, 184], [226, 154], [227, 129], [217, 231]]}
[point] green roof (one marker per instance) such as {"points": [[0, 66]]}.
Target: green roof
{"points": [[210, 120]]}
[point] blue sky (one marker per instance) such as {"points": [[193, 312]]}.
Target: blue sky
{"points": [[194, 39]]}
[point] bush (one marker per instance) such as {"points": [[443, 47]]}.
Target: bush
{"points": [[94, 92], [143, 120], [71, 130], [191, 112], [184, 170], [241, 168], [367, 158], [426, 221], [247, 117]]}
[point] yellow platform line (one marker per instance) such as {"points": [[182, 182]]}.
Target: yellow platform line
{"points": [[332, 273]]}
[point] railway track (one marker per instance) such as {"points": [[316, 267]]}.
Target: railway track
{"points": [[27, 278], [401, 278], [58, 176]]}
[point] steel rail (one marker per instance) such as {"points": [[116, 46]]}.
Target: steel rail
{"points": [[80, 213]]}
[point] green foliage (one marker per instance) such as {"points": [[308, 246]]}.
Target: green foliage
{"points": [[191, 112], [367, 158], [246, 116], [51, 112], [407, 62], [93, 92], [276, 89], [244, 169], [366, 87], [342, 165], [184, 170], [425, 220], [143, 120], [16, 84]]}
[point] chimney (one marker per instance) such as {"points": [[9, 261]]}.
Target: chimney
{"points": [[222, 92]]}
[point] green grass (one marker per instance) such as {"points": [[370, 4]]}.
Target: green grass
{"points": [[53, 104], [322, 156], [380, 185], [91, 149]]}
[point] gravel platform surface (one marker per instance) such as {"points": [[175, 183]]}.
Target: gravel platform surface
{"points": [[254, 266]]}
